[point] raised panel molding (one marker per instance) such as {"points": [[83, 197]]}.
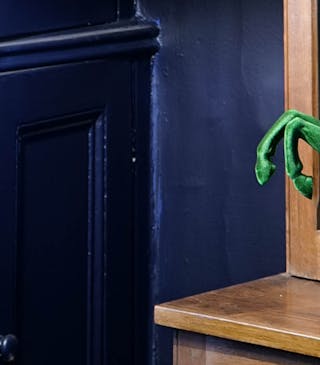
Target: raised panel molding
{"points": [[75, 242], [122, 38]]}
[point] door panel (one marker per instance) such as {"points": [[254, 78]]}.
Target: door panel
{"points": [[53, 247], [20, 18], [65, 154], [74, 181]]}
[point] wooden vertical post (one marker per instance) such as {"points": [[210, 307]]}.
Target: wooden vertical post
{"points": [[301, 92]]}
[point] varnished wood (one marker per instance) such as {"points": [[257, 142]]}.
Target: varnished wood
{"points": [[280, 312], [301, 92], [194, 349], [189, 349]]}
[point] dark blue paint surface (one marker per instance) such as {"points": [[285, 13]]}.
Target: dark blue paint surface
{"points": [[34, 16], [76, 287], [67, 209], [49, 242], [217, 87], [125, 37]]}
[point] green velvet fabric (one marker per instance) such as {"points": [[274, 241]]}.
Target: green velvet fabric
{"points": [[291, 126]]}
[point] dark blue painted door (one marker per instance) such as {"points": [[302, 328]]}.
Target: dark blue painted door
{"points": [[69, 104], [54, 201]]}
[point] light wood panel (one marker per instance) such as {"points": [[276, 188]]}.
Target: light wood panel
{"points": [[194, 349], [301, 92], [280, 312]]}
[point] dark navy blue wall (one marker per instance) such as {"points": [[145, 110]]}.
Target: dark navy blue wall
{"points": [[217, 87]]}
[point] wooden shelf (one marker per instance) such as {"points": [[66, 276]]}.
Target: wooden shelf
{"points": [[280, 312]]}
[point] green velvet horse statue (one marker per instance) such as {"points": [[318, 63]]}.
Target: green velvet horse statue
{"points": [[292, 125]]}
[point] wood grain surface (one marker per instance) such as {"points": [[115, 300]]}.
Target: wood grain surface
{"points": [[301, 92], [194, 349], [281, 312]]}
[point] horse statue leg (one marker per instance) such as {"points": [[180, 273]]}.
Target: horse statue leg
{"points": [[267, 147], [309, 132], [301, 126]]}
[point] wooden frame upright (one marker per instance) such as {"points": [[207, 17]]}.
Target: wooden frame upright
{"points": [[302, 93]]}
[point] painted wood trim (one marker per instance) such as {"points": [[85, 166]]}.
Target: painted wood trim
{"points": [[78, 45], [301, 92], [94, 122]]}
